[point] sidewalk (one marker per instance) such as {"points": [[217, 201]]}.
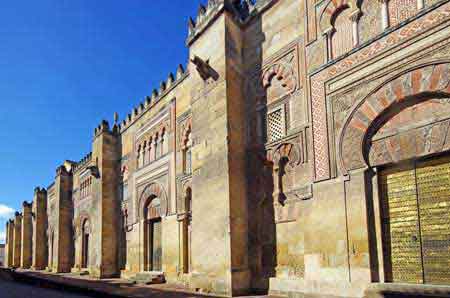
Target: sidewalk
{"points": [[105, 288]]}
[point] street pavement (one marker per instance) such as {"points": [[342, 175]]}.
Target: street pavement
{"points": [[17, 290]]}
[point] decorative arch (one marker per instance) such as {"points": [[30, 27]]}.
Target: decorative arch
{"points": [[289, 151], [283, 73], [150, 192], [416, 85], [330, 11], [79, 222], [187, 130], [187, 196], [280, 76]]}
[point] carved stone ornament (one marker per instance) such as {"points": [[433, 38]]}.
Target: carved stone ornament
{"points": [[408, 89], [151, 191], [204, 69], [290, 151]]}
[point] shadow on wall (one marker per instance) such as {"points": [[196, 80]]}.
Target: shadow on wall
{"points": [[260, 181]]}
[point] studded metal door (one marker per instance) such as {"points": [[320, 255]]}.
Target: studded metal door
{"points": [[415, 201], [433, 188], [156, 246]]}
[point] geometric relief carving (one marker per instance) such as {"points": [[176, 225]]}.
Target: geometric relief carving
{"points": [[400, 10], [398, 120], [369, 24], [416, 142]]}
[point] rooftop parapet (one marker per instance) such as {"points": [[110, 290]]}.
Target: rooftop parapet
{"points": [[243, 10], [84, 161], [38, 190], [26, 204], [149, 101]]}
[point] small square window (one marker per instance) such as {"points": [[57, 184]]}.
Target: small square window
{"points": [[276, 128]]}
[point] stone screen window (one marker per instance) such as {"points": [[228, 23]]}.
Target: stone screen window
{"points": [[276, 127], [85, 187]]}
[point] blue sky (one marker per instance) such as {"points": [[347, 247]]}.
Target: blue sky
{"points": [[67, 64]]}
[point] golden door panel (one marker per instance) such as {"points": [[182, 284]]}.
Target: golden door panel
{"points": [[433, 186], [416, 226], [402, 250]]}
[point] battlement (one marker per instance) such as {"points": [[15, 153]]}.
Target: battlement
{"points": [[26, 204], [243, 10], [157, 94], [84, 161]]}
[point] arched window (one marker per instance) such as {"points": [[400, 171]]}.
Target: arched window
{"points": [[162, 143], [143, 155], [187, 153], [156, 146], [149, 153], [138, 157], [188, 201], [342, 34]]}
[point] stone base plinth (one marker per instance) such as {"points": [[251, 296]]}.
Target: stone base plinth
{"points": [[406, 290]]}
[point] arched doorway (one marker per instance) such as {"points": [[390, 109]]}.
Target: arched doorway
{"points": [[85, 232], [402, 130], [152, 235]]}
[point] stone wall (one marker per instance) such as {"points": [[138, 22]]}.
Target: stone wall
{"points": [[263, 154]]}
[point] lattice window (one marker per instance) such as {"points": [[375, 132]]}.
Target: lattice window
{"points": [[276, 128]]}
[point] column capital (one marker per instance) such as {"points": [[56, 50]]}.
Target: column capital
{"points": [[355, 15]]}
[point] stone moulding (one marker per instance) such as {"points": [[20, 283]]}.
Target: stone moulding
{"points": [[318, 79], [153, 190], [433, 77], [330, 10]]}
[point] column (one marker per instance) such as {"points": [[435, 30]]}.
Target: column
{"points": [[384, 14], [420, 4], [354, 18], [328, 48]]}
